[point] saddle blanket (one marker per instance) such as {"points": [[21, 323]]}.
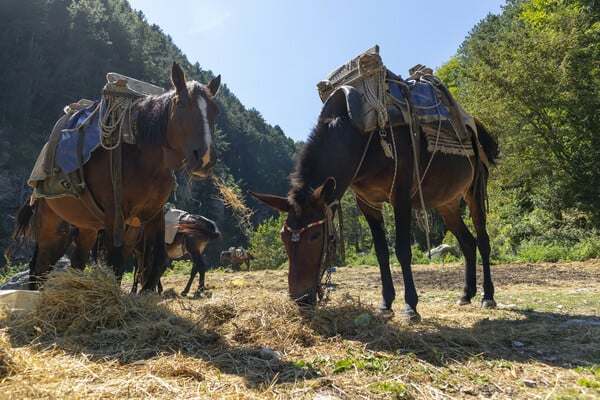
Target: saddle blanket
{"points": [[66, 151], [423, 99]]}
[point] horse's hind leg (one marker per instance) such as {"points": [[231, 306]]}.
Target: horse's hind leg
{"points": [[451, 215], [478, 217], [86, 240], [188, 285], [52, 239], [200, 266]]}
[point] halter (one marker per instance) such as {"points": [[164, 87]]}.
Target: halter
{"points": [[329, 246], [296, 233]]}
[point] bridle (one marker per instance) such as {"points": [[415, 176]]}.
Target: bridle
{"points": [[330, 241]]}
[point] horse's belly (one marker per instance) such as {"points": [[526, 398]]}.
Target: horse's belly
{"points": [[443, 182], [75, 212]]}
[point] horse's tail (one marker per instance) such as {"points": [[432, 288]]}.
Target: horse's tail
{"points": [[488, 142], [25, 221]]}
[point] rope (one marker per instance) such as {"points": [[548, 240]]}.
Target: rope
{"points": [[117, 116]]}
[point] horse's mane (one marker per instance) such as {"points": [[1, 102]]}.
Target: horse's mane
{"points": [[153, 115], [320, 140]]}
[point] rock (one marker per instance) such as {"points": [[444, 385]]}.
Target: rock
{"points": [[441, 251], [268, 354]]}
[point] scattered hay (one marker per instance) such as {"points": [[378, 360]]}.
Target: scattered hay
{"points": [[89, 339], [234, 200]]}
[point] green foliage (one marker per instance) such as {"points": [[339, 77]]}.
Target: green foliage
{"points": [[266, 245], [9, 270]]}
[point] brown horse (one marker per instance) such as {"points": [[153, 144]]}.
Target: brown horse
{"points": [[338, 155], [236, 256], [175, 130], [194, 232]]}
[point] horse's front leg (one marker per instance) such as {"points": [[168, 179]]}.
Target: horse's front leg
{"points": [[155, 252], [374, 218], [402, 217]]}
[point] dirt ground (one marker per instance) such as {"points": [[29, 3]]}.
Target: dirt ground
{"points": [[364, 280]]}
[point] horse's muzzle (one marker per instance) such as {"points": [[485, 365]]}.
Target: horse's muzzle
{"points": [[201, 166]]}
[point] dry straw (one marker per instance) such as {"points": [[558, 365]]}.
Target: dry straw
{"points": [[89, 339]]}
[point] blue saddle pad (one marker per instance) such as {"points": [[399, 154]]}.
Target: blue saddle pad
{"points": [[66, 150], [424, 100]]}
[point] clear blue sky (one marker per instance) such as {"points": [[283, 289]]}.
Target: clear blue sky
{"points": [[272, 53]]}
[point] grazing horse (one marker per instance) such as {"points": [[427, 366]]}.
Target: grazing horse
{"points": [[339, 155], [193, 234], [236, 256], [174, 130]]}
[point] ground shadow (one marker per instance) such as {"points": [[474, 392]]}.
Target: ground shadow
{"points": [[563, 340]]}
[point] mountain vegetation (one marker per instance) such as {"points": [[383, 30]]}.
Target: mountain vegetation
{"points": [[55, 52], [531, 74]]}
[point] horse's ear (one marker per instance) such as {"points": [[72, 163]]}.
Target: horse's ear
{"points": [[277, 203], [324, 192], [344, 100], [178, 80], [213, 86]]}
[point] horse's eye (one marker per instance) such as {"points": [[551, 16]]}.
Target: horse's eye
{"points": [[315, 236]]}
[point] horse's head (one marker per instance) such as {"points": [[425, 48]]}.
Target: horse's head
{"points": [[191, 126], [307, 236]]}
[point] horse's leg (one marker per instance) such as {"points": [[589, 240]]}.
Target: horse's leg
{"points": [[33, 278], [155, 252], [188, 285], [85, 242], [115, 257], [402, 218], [452, 217], [139, 260], [52, 240], [374, 218], [477, 211], [200, 266]]}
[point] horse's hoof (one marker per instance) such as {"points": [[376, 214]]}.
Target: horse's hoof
{"points": [[463, 301], [489, 303], [184, 294], [411, 317], [386, 313]]}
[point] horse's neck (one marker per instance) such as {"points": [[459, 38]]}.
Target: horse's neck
{"points": [[147, 158], [342, 162]]}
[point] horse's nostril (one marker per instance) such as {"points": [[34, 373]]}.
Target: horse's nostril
{"points": [[196, 155]]}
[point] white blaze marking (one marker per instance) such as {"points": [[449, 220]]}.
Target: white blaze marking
{"points": [[207, 138]]}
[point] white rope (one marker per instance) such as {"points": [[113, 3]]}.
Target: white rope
{"points": [[117, 111]]}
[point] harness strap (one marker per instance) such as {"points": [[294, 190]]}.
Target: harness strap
{"points": [[116, 174]]}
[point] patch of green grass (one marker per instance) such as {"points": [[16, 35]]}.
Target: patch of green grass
{"points": [[396, 390], [368, 362], [9, 270]]}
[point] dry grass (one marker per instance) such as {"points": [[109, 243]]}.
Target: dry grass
{"points": [[89, 339], [232, 198]]}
